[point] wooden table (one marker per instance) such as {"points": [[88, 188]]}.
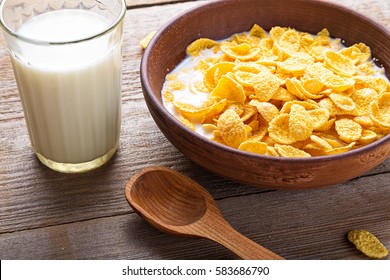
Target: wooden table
{"points": [[48, 215]]}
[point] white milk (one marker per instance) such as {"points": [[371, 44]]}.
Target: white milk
{"points": [[71, 94]]}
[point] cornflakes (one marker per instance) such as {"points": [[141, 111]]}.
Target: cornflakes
{"points": [[279, 130], [253, 146], [187, 123], [367, 243], [363, 98], [319, 117], [339, 64], [267, 110], [300, 123], [368, 136], [341, 149], [312, 85], [199, 115], [380, 111], [295, 65], [222, 68], [227, 88], [321, 143], [257, 31], [288, 44], [145, 41], [242, 51], [348, 130], [342, 101], [248, 112], [305, 104], [290, 151], [265, 85], [197, 46], [231, 128], [284, 93]]}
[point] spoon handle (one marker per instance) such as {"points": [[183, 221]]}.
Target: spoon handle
{"points": [[242, 246]]}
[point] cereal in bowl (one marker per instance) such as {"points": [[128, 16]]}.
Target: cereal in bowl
{"points": [[281, 93]]}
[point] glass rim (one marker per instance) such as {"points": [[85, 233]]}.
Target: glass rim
{"points": [[112, 26]]}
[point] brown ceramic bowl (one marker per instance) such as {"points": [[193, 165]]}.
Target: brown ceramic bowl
{"points": [[220, 19]]}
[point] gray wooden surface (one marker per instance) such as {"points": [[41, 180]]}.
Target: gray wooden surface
{"points": [[47, 215]]}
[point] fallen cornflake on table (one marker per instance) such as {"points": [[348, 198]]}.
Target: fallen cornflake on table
{"points": [[368, 244], [145, 41]]}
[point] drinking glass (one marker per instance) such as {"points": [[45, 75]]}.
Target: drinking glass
{"points": [[67, 60]]}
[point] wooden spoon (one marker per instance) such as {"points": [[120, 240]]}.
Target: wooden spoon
{"points": [[176, 204]]}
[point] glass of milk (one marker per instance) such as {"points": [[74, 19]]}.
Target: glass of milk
{"points": [[67, 61]]}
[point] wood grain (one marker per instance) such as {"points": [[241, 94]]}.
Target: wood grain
{"points": [[297, 225], [87, 217]]}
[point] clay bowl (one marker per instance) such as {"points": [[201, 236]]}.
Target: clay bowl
{"points": [[220, 19]]}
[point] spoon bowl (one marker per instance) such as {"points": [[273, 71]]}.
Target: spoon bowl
{"points": [[159, 194], [176, 204]]}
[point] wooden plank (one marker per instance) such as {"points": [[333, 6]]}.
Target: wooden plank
{"points": [[297, 225]]}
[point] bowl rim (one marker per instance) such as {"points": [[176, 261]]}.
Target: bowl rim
{"points": [[250, 156]]}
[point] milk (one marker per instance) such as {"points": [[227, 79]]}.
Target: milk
{"points": [[71, 93]]}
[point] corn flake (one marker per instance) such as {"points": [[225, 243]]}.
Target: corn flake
{"points": [[267, 110], [339, 64], [312, 85], [300, 123], [288, 44], [348, 130], [378, 84], [283, 94], [357, 53], [363, 98], [145, 41], [199, 115], [326, 126], [337, 83], [248, 112], [321, 143], [319, 117], [368, 244], [380, 111], [295, 65], [265, 86], [243, 52], [364, 121], [342, 101], [279, 130], [222, 68], [257, 31], [253, 146], [197, 46], [187, 123], [232, 129], [305, 104], [246, 79], [290, 151], [368, 136], [227, 88]]}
